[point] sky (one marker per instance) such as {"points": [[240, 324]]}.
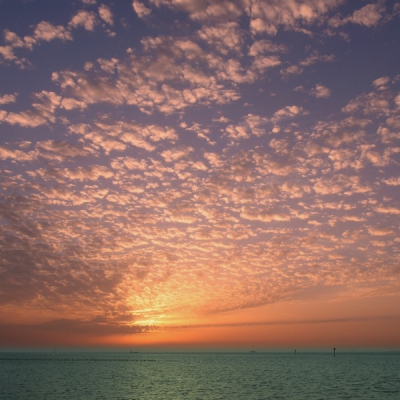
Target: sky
{"points": [[200, 174]]}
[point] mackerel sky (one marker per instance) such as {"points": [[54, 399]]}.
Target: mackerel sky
{"points": [[166, 164]]}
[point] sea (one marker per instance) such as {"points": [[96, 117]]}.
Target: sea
{"points": [[58, 375]]}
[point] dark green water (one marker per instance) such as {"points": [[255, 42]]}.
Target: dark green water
{"points": [[57, 376]]}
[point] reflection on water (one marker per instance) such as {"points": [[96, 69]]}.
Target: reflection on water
{"points": [[199, 376]]}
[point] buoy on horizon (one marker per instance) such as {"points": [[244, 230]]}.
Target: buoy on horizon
{"points": [[334, 351]]}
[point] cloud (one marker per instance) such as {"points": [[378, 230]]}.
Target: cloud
{"points": [[141, 10], [261, 63], [393, 181], [7, 53], [214, 10], [157, 133], [178, 165], [16, 154], [87, 19], [72, 104], [369, 15], [268, 17], [369, 103], [252, 125], [266, 46], [16, 42], [48, 103], [214, 159], [237, 132], [313, 58], [62, 150], [8, 98], [47, 32], [381, 83], [106, 14], [265, 17], [292, 70], [176, 154], [93, 173], [30, 119], [155, 82], [253, 215], [336, 185], [42, 113], [380, 231], [387, 210], [316, 57], [183, 219], [287, 112], [137, 141], [321, 92], [225, 37], [283, 322]]}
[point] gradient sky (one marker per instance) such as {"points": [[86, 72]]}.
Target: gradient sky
{"points": [[200, 173]]}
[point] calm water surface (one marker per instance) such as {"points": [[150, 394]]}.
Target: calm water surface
{"points": [[57, 376]]}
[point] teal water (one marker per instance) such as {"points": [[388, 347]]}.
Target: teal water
{"points": [[57, 376]]}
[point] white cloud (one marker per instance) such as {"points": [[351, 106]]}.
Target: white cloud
{"points": [[387, 210], [267, 17], [369, 103], [266, 46], [48, 103], [292, 70], [369, 15], [156, 82], [141, 10], [29, 119], [72, 104], [135, 140], [60, 151], [261, 63], [157, 133], [46, 31], [381, 83], [287, 112], [253, 215], [176, 154], [7, 53], [106, 14], [16, 154], [237, 132], [380, 231], [225, 37], [87, 19], [93, 173], [394, 181], [15, 41], [321, 92], [316, 57], [8, 98]]}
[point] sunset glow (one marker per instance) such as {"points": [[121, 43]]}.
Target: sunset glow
{"points": [[200, 174]]}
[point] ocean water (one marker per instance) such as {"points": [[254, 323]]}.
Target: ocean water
{"points": [[57, 376]]}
